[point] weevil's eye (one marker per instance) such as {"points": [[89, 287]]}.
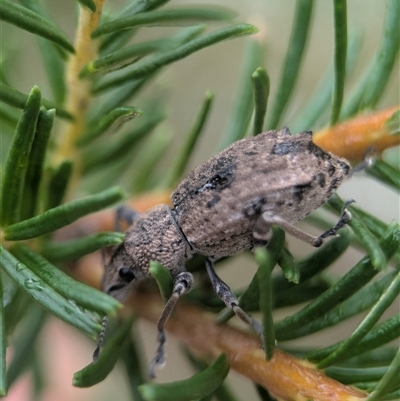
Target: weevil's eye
{"points": [[126, 274]]}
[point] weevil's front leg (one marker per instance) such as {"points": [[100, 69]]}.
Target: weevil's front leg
{"points": [[226, 294], [183, 283], [262, 229]]}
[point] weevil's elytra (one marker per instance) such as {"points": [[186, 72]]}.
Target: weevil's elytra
{"points": [[272, 172], [224, 206]]}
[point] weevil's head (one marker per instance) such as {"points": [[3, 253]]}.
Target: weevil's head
{"points": [[119, 274]]}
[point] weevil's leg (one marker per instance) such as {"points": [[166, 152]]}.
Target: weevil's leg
{"points": [[226, 294], [344, 218], [100, 340], [262, 229], [125, 213], [183, 283]]}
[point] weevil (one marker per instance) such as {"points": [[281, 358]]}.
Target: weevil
{"points": [[226, 205]]}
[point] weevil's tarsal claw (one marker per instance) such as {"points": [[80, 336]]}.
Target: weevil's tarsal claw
{"points": [[159, 359], [96, 354], [344, 218], [345, 211], [253, 323], [100, 340], [230, 300], [183, 284]]}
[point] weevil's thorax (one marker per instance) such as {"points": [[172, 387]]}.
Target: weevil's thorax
{"points": [[156, 236]]}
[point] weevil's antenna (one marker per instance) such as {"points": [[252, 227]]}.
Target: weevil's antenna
{"points": [[368, 159], [100, 340]]}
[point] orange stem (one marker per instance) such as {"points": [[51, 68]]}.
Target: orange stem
{"points": [[351, 138], [286, 377]]}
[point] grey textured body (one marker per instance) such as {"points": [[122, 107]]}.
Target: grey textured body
{"points": [[226, 205], [218, 203], [217, 207]]}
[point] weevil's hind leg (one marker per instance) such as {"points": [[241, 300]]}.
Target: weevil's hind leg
{"points": [[262, 228], [125, 213], [226, 294], [183, 283]]}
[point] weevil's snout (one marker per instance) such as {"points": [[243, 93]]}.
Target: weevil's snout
{"points": [[119, 286], [118, 275]]}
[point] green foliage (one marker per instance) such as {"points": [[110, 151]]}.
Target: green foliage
{"points": [[96, 372], [17, 99], [163, 278], [261, 92], [182, 158], [3, 345], [46, 186], [266, 260], [18, 159], [294, 55], [242, 109], [61, 216], [75, 248], [115, 117], [189, 16], [179, 53], [340, 13], [32, 22], [196, 387], [372, 84], [47, 273], [47, 296]]}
